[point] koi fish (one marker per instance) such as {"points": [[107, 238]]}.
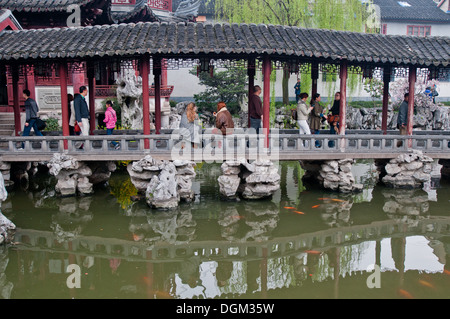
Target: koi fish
{"points": [[337, 200], [301, 213], [147, 281], [426, 284], [313, 252], [405, 294], [287, 207], [324, 198], [447, 272], [315, 206], [238, 217]]}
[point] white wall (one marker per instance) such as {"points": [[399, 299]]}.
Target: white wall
{"points": [[397, 28]]}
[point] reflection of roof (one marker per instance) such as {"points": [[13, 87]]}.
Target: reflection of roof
{"points": [[40, 5], [411, 10], [188, 39]]}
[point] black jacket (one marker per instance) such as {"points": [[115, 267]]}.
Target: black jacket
{"points": [[81, 108]]}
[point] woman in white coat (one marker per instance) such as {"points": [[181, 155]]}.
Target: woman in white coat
{"points": [[303, 111]]}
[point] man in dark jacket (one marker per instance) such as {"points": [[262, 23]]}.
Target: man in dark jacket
{"points": [[255, 109], [31, 112], [402, 119], [82, 111]]}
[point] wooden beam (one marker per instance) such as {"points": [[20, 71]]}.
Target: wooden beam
{"points": [[64, 101], [157, 71], [16, 99], [145, 67], [412, 84], [314, 77], [91, 85], [384, 116], [251, 71], [266, 98], [343, 101]]}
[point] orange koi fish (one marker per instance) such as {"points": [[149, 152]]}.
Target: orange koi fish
{"points": [[287, 207], [301, 213], [447, 272], [426, 284], [315, 206], [405, 294], [337, 200], [313, 252]]}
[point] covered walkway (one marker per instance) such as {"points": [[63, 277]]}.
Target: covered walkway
{"points": [[147, 46]]}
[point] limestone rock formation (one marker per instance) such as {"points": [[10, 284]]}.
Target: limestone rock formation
{"points": [[7, 228], [408, 170], [72, 175], [165, 183], [256, 180], [335, 175]]}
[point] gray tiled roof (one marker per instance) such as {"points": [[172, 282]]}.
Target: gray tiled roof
{"points": [[227, 40], [414, 11], [40, 5]]}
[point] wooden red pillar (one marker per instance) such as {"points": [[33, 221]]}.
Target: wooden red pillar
{"points": [[384, 115], [412, 84], [343, 104], [91, 86], [16, 99], [157, 68], [64, 101], [251, 71], [31, 83], [266, 98], [145, 67], [314, 77]]}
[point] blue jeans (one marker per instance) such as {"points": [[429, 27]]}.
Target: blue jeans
{"points": [[317, 143], [256, 124], [27, 129], [332, 131], [109, 131]]}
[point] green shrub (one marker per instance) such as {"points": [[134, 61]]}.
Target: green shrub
{"points": [[52, 124]]}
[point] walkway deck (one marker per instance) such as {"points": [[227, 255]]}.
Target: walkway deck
{"points": [[284, 145]]}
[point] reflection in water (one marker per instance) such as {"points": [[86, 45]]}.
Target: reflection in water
{"points": [[215, 249]]}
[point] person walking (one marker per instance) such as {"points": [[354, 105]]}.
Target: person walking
{"points": [[316, 116], [31, 115], [402, 119], [303, 112], [297, 89], [255, 110], [111, 120], [82, 111], [224, 120]]}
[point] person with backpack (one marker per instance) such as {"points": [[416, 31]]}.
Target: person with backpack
{"points": [[111, 120]]}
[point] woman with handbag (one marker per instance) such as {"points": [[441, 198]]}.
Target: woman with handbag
{"points": [[333, 116]]}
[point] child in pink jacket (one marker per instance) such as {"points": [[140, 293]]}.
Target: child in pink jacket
{"points": [[110, 120]]}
